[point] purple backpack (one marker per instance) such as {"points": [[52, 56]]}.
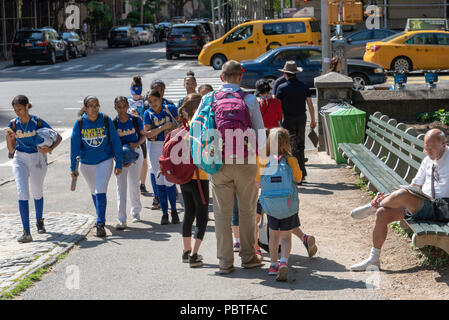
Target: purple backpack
{"points": [[232, 113]]}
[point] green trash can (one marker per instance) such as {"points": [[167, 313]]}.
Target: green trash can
{"points": [[346, 125]]}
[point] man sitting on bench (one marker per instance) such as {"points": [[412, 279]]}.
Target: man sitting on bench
{"points": [[401, 204]]}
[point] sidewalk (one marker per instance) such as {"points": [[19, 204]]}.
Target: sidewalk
{"points": [[144, 261]]}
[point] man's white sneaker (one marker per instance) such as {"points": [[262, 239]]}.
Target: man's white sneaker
{"points": [[136, 219], [120, 226], [362, 266], [363, 212]]}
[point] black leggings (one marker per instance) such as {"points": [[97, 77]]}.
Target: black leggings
{"points": [[194, 208]]}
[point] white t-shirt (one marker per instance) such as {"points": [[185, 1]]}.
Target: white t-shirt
{"points": [[424, 176]]}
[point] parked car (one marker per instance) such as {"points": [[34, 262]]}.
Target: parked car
{"points": [[76, 44], [144, 35], [356, 41], [38, 44], [151, 30], [250, 39], [119, 36], [413, 50], [207, 26], [309, 59], [185, 39]]}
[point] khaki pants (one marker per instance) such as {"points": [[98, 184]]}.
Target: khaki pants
{"points": [[238, 178]]}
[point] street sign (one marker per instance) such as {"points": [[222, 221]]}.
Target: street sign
{"points": [[305, 12]]}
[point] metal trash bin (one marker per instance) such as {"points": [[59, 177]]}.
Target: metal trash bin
{"points": [[324, 113], [346, 125]]}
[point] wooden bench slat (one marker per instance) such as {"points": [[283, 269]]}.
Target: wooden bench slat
{"points": [[407, 136], [398, 153], [376, 171], [402, 144], [417, 227]]}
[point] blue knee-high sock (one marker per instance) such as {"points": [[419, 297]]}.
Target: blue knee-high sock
{"points": [[94, 198], [25, 214], [39, 206], [162, 193], [171, 193], [101, 207], [153, 184]]}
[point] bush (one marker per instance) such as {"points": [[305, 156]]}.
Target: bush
{"points": [[441, 115]]}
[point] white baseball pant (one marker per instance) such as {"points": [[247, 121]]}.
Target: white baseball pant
{"points": [[29, 169], [97, 175], [154, 152], [130, 178]]}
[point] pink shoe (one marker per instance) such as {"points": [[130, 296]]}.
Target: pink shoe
{"points": [[274, 270], [283, 272]]}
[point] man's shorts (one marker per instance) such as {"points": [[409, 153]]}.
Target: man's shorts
{"points": [[426, 212], [283, 224]]}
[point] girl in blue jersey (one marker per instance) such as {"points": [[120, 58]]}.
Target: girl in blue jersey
{"points": [[156, 122], [137, 107], [189, 85], [130, 131], [96, 141], [170, 108], [29, 162]]}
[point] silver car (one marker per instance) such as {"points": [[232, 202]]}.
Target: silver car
{"points": [[357, 40]]}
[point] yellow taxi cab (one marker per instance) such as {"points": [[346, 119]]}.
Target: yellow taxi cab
{"points": [[251, 39], [413, 50]]}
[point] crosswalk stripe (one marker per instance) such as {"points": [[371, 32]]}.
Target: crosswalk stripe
{"points": [[93, 68], [175, 90], [72, 67], [49, 68], [114, 67]]}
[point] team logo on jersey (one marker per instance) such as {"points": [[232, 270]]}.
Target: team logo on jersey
{"points": [[93, 137]]}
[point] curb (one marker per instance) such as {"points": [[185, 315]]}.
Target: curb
{"points": [[51, 257]]}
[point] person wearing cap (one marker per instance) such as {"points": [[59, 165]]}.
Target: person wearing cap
{"points": [[130, 130], [294, 95], [270, 107], [136, 104], [29, 164]]}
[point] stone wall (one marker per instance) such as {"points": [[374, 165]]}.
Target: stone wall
{"points": [[401, 105]]}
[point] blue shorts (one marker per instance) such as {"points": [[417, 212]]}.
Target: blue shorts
{"points": [[426, 212], [283, 224]]}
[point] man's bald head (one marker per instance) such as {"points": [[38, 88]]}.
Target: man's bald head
{"points": [[231, 71], [435, 144]]}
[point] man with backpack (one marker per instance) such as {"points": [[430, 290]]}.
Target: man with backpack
{"points": [[233, 110]]}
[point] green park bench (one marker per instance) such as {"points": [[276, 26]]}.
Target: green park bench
{"points": [[390, 157]]}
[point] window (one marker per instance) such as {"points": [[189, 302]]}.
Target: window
{"points": [[422, 38], [380, 34], [241, 33], [311, 57], [272, 29], [315, 26], [29, 35], [180, 31], [286, 55], [361, 36], [442, 39], [296, 27]]}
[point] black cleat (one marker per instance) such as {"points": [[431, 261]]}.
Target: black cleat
{"points": [[26, 237], [174, 217], [101, 232], [164, 219], [40, 226]]}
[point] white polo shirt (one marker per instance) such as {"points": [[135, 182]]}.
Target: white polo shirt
{"points": [[424, 176]]}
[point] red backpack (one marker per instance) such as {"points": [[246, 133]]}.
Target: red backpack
{"points": [[176, 162]]}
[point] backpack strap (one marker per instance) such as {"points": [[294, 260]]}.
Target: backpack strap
{"points": [[203, 199], [115, 122], [136, 125], [39, 123], [14, 125], [269, 102]]}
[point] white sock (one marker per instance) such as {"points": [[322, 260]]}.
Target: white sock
{"points": [[236, 240], [375, 254]]}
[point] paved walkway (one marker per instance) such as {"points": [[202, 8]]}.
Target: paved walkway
{"points": [[17, 259]]}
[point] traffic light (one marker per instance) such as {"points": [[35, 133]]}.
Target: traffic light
{"points": [[333, 12], [352, 12]]}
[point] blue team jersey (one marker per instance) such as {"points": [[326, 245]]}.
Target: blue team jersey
{"points": [[171, 107], [155, 120], [136, 104], [127, 132], [92, 143], [26, 134]]}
